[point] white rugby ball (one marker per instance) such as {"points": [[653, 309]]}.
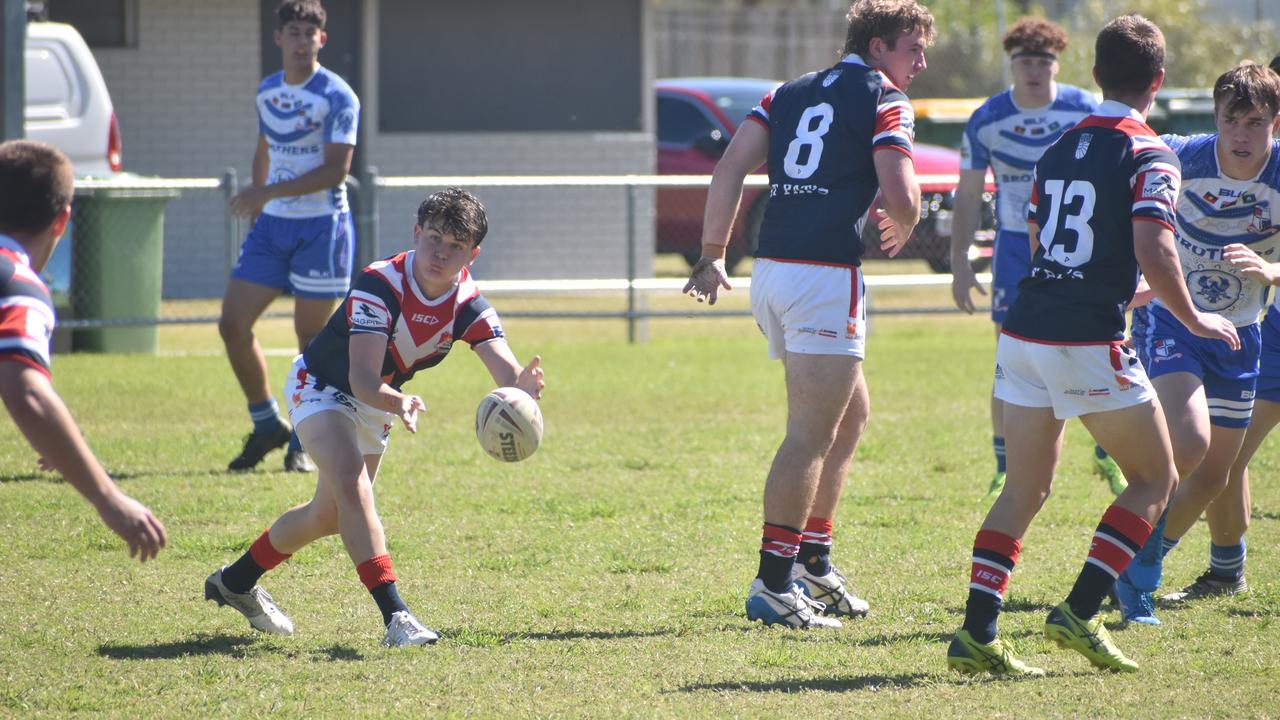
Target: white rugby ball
{"points": [[509, 424]]}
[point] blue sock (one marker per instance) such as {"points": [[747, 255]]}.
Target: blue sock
{"points": [[294, 442], [1227, 561], [265, 415], [997, 444], [1147, 568]]}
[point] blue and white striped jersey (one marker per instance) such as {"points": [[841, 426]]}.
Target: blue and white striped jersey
{"points": [[1010, 140], [1215, 210], [297, 122]]}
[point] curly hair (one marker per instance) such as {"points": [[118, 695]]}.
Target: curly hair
{"points": [[458, 213], [1247, 86], [885, 19], [1036, 35], [1128, 55]]}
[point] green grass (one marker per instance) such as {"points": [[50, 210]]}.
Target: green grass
{"points": [[602, 577]]}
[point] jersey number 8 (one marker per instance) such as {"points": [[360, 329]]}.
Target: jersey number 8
{"points": [[808, 136], [1060, 249]]}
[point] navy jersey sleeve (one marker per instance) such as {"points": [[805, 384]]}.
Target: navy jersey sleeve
{"points": [[371, 306], [477, 322], [760, 113], [1155, 181], [895, 121], [26, 317]]}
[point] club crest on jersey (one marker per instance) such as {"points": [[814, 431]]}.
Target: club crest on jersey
{"points": [[831, 77], [1082, 147], [1213, 290]]}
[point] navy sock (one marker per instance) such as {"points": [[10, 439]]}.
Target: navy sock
{"points": [[1227, 561], [265, 415], [294, 442], [997, 444], [994, 556], [778, 548], [241, 575], [980, 615], [388, 600]]}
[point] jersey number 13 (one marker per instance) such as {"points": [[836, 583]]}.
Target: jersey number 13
{"points": [[1074, 247]]}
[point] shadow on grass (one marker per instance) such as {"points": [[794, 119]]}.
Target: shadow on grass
{"points": [[203, 644], [31, 477], [932, 637], [200, 644], [861, 682]]}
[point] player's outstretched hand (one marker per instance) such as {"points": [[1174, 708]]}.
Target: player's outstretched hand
{"points": [[134, 523], [963, 281], [706, 279], [410, 406], [892, 235], [1211, 325], [530, 379], [1250, 264]]}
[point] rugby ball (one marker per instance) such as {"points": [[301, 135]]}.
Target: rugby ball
{"points": [[509, 424]]}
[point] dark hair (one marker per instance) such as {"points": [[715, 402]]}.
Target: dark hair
{"points": [[458, 213], [1275, 64], [1128, 55], [307, 11], [1247, 86], [35, 185], [1036, 35], [885, 19]]}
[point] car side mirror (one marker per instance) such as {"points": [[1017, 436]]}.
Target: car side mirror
{"points": [[712, 144]]}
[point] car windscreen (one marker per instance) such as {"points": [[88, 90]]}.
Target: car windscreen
{"points": [[735, 104]]}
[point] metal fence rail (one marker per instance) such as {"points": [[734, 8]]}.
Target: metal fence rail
{"points": [[627, 204]]}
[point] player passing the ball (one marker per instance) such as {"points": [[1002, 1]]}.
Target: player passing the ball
{"points": [[1102, 207], [832, 139], [35, 206], [402, 316]]}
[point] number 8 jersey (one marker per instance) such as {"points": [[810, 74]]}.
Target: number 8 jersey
{"points": [[1105, 173], [823, 128]]}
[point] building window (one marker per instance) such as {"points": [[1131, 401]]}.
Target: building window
{"points": [[103, 23]]}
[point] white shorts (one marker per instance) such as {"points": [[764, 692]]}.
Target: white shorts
{"points": [[808, 308], [305, 397], [1074, 380]]}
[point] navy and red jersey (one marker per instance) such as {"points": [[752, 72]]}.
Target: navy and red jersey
{"points": [[1102, 175], [26, 310], [386, 300], [823, 129]]}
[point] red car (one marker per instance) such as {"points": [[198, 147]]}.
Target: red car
{"points": [[696, 118]]}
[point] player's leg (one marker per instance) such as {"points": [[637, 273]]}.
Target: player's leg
{"points": [[1228, 516], [1010, 263], [1138, 439], [811, 320], [319, 274], [997, 438], [257, 278], [813, 568], [1034, 444]]}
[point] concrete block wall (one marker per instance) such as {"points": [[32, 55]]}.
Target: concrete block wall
{"points": [[184, 99]]}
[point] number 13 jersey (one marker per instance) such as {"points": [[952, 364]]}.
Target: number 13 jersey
{"points": [[823, 128], [1105, 173]]}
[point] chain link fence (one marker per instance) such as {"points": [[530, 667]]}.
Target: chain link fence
{"points": [[558, 247]]}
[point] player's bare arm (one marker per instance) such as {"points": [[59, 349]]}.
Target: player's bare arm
{"points": [[899, 199], [1251, 265], [1153, 246], [964, 224], [43, 418], [337, 163], [748, 149], [506, 370], [366, 352]]}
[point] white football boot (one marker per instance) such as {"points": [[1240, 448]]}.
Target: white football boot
{"points": [[830, 591], [256, 605], [404, 630], [792, 608]]}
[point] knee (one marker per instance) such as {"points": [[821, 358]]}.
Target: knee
{"points": [[234, 329], [1189, 452], [324, 518]]}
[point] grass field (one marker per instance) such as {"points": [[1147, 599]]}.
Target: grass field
{"points": [[604, 576]]}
